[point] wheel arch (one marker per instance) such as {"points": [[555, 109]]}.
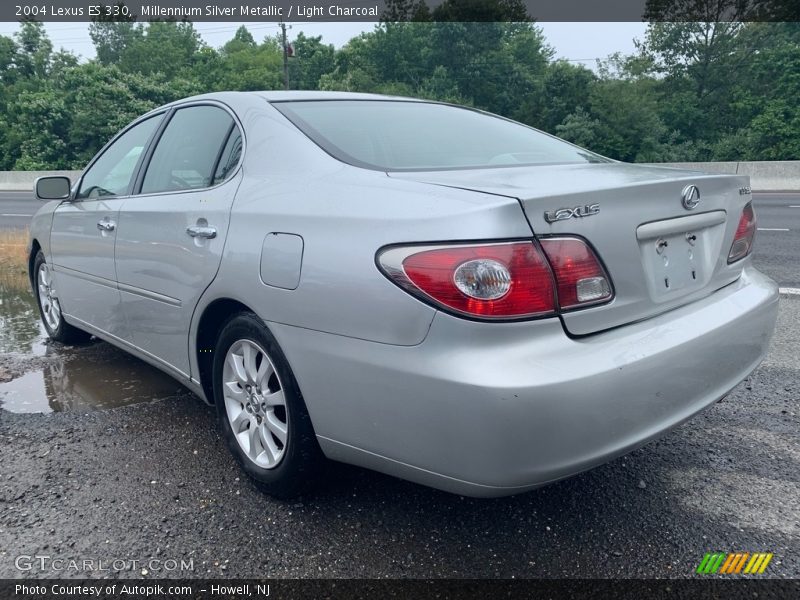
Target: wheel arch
{"points": [[209, 326], [35, 248]]}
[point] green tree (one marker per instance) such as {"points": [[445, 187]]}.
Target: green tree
{"points": [[765, 106], [312, 59], [111, 39], [694, 61], [696, 89], [495, 66], [166, 47], [64, 122], [8, 67], [243, 66], [242, 40], [355, 69], [564, 90], [34, 50], [580, 128]]}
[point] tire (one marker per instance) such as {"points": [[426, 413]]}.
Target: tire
{"points": [[50, 306], [261, 412]]}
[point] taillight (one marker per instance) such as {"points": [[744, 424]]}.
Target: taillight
{"points": [[502, 280], [745, 232], [506, 280], [580, 278]]}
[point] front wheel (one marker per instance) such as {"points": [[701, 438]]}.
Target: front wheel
{"points": [[50, 306], [261, 412]]}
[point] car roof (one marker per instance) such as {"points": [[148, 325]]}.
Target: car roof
{"points": [[283, 95], [279, 95], [231, 98]]}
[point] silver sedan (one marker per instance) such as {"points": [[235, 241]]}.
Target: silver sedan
{"points": [[423, 289]]}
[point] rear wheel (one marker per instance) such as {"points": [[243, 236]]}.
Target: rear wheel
{"points": [[260, 409], [50, 305]]}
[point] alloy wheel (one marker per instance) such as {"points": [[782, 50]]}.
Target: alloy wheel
{"points": [[48, 299], [255, 403]]}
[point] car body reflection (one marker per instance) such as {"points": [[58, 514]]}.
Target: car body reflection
{"points": [[95, 376]]}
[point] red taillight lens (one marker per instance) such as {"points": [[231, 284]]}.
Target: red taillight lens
{"points": [[507, 280], [503, 280], [745, 232], [580, 277]]}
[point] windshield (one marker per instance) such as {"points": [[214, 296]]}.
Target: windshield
{"points": [[395, 135]]}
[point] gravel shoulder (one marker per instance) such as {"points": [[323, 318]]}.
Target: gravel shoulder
{"points": [[154, 480]]}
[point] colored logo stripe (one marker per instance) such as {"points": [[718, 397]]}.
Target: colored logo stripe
{"points": [[711, 562], [740, 564], [731, 561], [734, 562], [758, 563]]}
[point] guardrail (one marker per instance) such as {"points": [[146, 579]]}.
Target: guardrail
{"points": [[22, 181], [765, 176]]}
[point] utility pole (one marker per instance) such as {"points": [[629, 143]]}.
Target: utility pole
{"points": [[285, 58]]}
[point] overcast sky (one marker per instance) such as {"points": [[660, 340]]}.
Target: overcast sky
{"points": [[580, 42]]}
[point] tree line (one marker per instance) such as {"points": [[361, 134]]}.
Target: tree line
{"points": [[692, 91]]}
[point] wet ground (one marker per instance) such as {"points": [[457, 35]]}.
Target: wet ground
{"points": [[38, 376], [149, 479]]}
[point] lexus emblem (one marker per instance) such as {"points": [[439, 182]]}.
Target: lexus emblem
{"points": [[690, 197]]}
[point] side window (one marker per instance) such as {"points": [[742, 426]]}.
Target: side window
{"points": [[111, 174], [230, 156], [187, 152]]}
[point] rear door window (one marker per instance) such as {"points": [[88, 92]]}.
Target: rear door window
{"points": [[188, 151], [229, 158]]}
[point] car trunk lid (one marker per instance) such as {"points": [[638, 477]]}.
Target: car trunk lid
{"points": [[659, 253]]}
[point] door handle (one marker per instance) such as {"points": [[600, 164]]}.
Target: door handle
{"points": [[202, 232], [106, 225]]}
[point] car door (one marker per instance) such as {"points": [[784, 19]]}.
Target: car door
{"points": [[172, 230], [84, 231]]}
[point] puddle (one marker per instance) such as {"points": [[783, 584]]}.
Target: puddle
{"points": [[21, 330], [94, 376]]}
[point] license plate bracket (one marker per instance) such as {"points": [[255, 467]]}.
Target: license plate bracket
{"points": [[676, 261], [679, 256]]}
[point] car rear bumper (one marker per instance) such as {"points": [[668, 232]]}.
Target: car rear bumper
{"points": [[491, 409]]}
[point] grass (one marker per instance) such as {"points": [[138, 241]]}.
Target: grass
{"points": [[14, 259]]}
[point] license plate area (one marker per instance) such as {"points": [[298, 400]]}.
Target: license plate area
{"points": [[680, 255]]}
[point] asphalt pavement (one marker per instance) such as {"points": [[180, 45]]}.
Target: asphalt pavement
{"points": [[16, 209], [777, 246], [154, 481]]}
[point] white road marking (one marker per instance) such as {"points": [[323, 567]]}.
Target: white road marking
{"points": [[771, 229], [14, 215], [790, 291], [794, 206]]}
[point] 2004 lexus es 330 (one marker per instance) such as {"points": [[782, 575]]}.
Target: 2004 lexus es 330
{"points": [[426, 290]]}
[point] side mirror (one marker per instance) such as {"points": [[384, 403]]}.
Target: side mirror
{"points": [[52, 188]]}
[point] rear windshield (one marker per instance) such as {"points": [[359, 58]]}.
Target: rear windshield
{"points": [[408, 136]]}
